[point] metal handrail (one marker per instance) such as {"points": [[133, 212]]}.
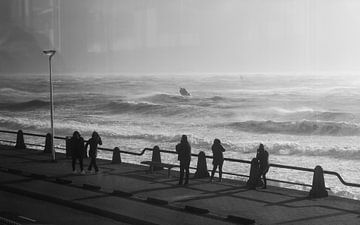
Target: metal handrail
{"points": [[210, 157]]}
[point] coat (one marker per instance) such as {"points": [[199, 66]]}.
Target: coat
{"points": [[77, 147], [218, 157], [263, 158], [93, 142], [184, 151]]}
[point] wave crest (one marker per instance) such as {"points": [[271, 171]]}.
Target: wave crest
{"points": [[28, 105], [304, 127], [143, 108]]}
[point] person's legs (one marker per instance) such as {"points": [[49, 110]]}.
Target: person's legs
{"points": [[187, 173], [264, 177], [73, 163], [220, 172], [81, 163], [95, 166], [213, 172], [91, 164], [181, 173]]}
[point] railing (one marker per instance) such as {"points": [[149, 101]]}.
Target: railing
{"points": [[209, 157]]}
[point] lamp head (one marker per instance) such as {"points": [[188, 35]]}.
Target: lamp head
{"points": [[49, 53]]}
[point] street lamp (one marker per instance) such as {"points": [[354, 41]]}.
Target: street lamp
{"points": [[51, 53]]}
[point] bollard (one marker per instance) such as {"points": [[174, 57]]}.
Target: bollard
{"points": [[20, 144], [48, 144], [318, 189], [68, 146], [156, 158], [254, 177], [116, 156], [201, 168]]}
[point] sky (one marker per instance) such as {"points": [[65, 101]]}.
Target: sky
{"points": [[249, 36]]}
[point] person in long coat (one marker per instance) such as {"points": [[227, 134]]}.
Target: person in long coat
{"points": [[218, 158], [77, 151], [184, 156]]}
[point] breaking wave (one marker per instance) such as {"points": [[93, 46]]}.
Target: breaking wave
{"points": [[28, 105], [311, 114], [143, 108], [304, 127]]}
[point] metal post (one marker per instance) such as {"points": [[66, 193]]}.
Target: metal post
{"points": [[50, 54], [52, 112]]}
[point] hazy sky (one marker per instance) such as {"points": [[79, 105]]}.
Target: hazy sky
{"points": [[207, 35]]}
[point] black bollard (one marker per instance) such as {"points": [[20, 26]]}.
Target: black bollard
{"points": [[318, 189], [48, 143], [156, 158], [20, 144], [254, 177], [201, 168], [116, 158]]}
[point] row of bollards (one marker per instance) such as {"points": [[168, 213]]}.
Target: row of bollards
{"points": [[318, 185]]}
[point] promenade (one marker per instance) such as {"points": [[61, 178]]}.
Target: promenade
{"points": [[33, 187]]}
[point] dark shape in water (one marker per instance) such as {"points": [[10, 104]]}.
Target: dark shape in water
{"points": [[184, 92]]}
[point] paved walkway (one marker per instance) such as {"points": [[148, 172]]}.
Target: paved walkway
{"points": [[156, 199]]}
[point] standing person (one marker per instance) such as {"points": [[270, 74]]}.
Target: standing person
{"points": [[263, 158], [77, 151], [93, 142], [184, 156], [218, 158]]}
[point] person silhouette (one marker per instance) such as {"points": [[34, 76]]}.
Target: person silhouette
{"points": [[93, 142], [263, 158], [77, 151], [218, 158], [184, 156]]}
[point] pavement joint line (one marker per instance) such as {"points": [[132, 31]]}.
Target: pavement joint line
{"points": [[91, 187], [241, 220], [196, 210], [157, 201]]}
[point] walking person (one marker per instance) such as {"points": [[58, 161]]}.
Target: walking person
{"points": [[263, 158], [93, 142], [184, 156], [77, 151], [218, 158]]}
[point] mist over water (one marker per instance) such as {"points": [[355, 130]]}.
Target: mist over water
{"points": [[312, 118]]}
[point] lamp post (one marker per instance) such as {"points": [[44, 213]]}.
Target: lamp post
{"points": [[51, 53]]}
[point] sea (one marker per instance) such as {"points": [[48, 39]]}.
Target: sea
{"points": [[303, 120]]}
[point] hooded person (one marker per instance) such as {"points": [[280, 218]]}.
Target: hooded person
{"points": [[93, 142], [184, 156], [218, 158]]}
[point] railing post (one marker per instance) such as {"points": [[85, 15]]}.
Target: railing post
{"points": [[20, 144], [156, 157], [201, 168], [116, 158], [48, 144], [318, 185]]}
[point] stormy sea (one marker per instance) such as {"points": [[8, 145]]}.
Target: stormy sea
{"points": [[302, 120]]}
